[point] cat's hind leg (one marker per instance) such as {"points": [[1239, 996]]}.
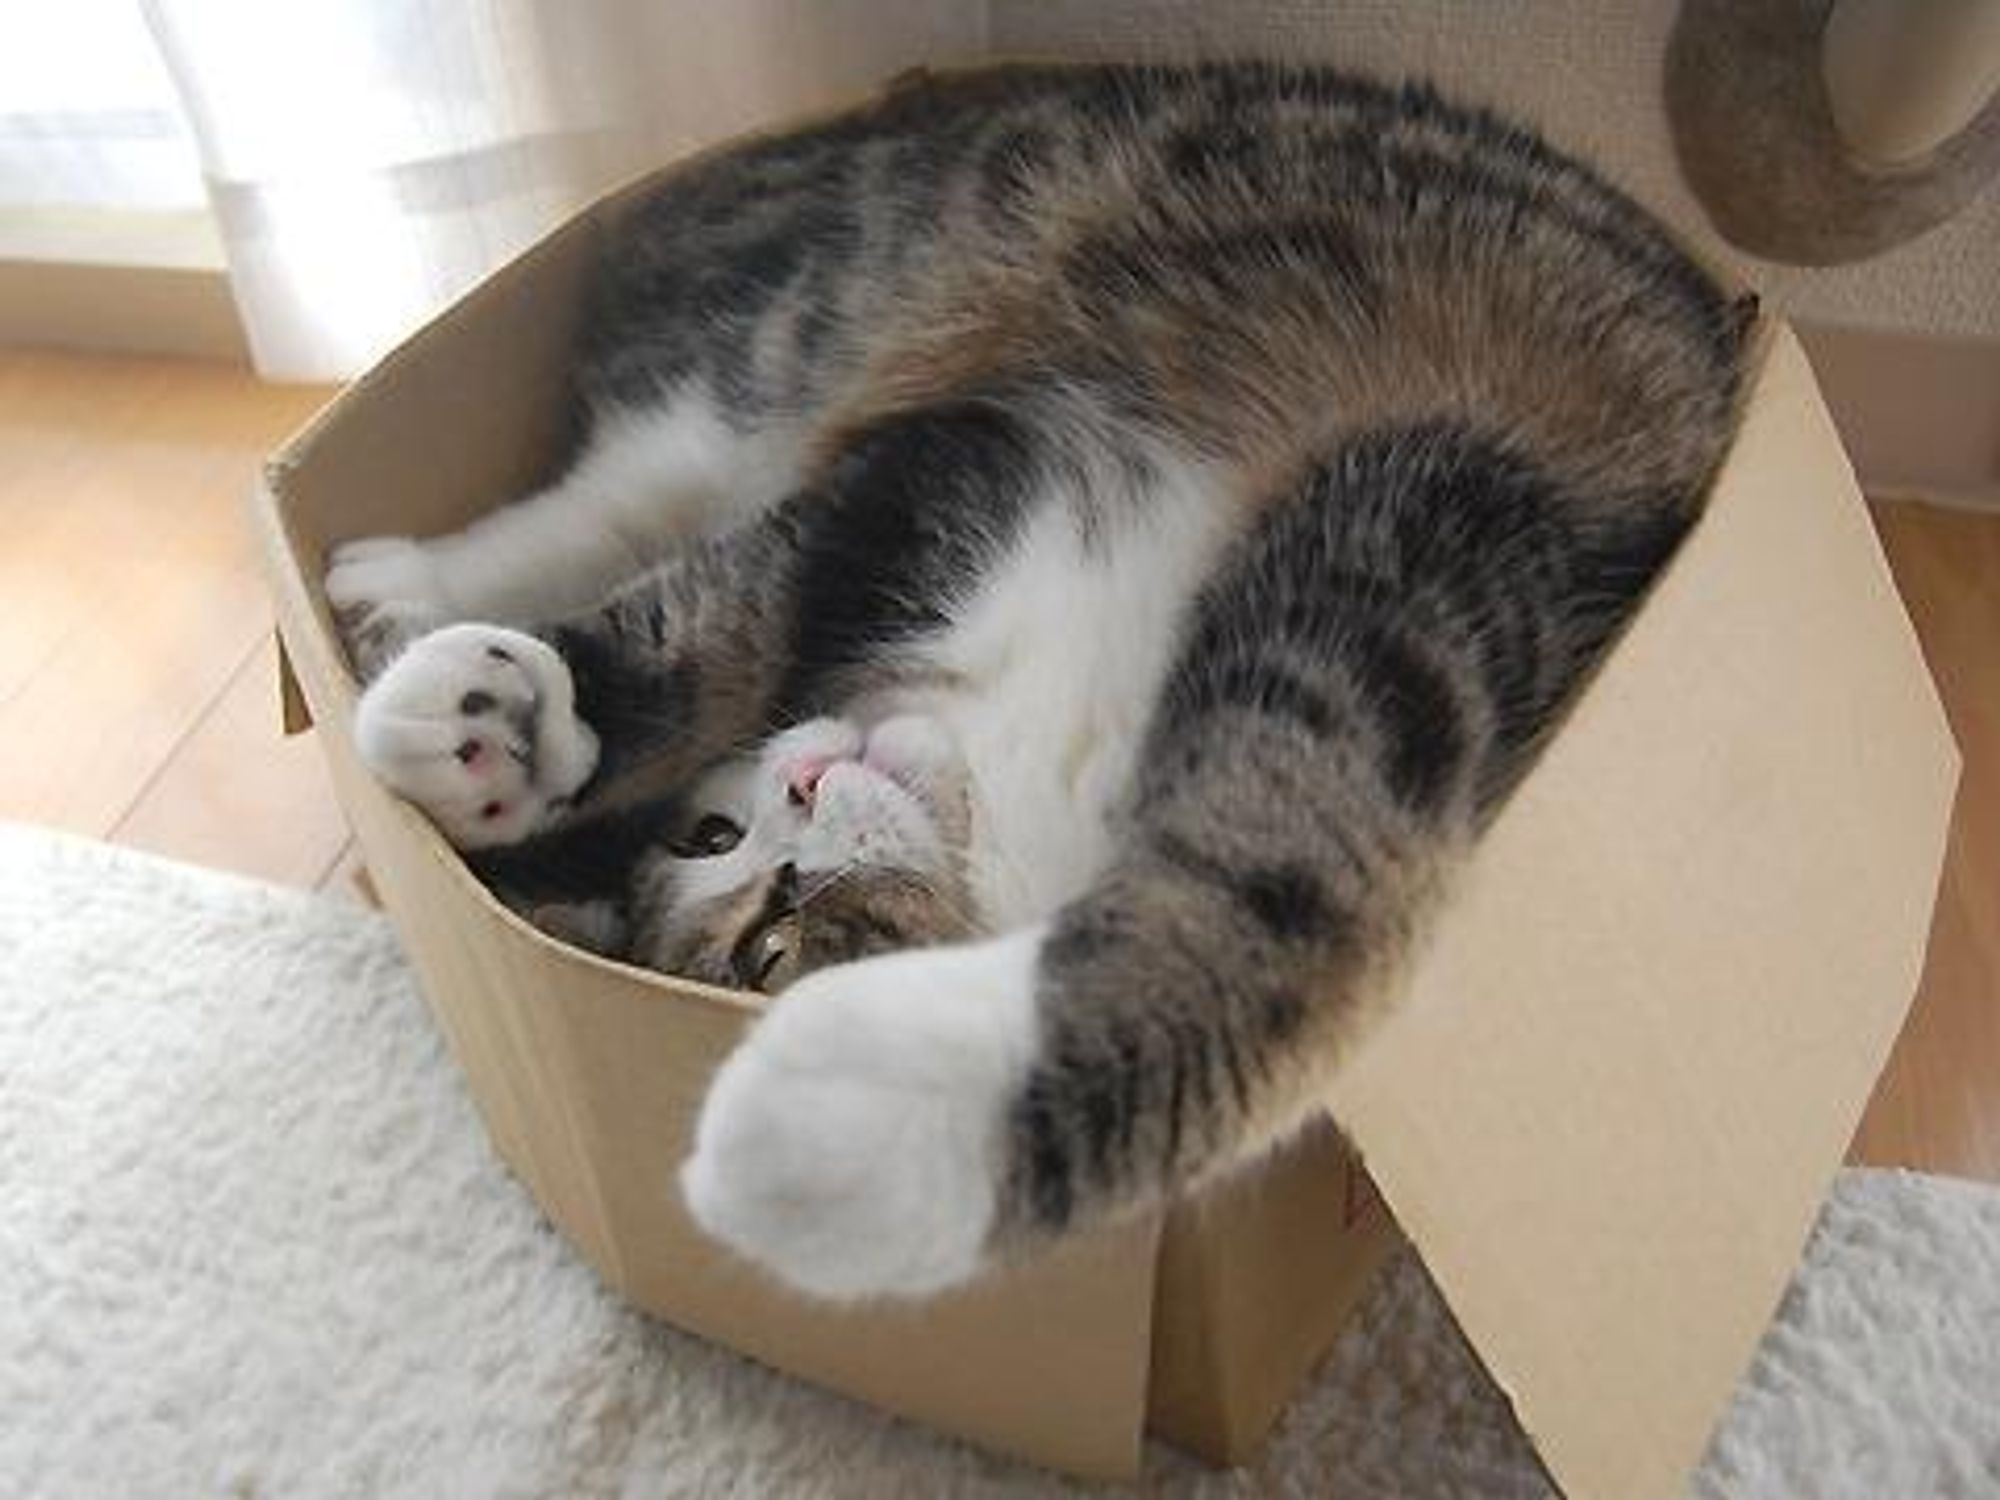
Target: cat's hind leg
{"points": [[853, 1144]]}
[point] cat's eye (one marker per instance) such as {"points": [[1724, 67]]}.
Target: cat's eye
{"points": [[713, 835]]}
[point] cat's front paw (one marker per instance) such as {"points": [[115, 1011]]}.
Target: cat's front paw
{"points": [[854, 1144], [477, 725], [385, 592]]}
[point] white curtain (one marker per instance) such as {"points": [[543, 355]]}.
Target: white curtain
{"points": [[369, 160], [87, 114]]}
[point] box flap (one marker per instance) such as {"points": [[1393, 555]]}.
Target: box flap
{"points": [[1629, 1062]]}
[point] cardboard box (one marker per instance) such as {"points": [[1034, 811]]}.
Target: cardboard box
{"points": [[1605, 1114]]}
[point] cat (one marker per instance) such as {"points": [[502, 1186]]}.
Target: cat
{"points": [[1072, 557]]}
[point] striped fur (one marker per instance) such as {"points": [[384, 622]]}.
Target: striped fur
{"points": [[1369, 419]]}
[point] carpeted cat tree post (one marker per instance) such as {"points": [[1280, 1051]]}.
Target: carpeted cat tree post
{"points": [[1817, 132]]}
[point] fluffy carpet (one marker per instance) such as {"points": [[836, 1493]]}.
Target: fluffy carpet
{"points": [[254, 1243]]}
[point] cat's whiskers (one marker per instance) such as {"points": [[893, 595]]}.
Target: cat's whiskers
{"points": [[812, 887]]}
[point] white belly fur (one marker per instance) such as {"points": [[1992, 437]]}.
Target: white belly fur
{"points": [[1058, 663]]}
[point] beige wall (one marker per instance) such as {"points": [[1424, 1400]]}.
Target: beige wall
{"points": [[1586, 71]]}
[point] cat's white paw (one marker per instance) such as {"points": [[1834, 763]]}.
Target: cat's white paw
{"points": [[385, 592], [477, 725], [854, 1144]]}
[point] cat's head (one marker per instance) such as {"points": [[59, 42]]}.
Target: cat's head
{"points": [[832, 843]]}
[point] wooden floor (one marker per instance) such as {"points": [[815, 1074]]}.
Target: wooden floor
{"points": [[1937, 1105], [136, 654], [138, 700]]}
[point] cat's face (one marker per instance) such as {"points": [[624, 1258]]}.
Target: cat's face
{"points": [[831, 844]]}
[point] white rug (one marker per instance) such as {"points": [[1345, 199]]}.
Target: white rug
{"points": [[254, 1243]]}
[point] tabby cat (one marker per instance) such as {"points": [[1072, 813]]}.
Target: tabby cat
{"points": [[1085, 551]]}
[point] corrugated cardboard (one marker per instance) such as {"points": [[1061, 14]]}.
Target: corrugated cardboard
{"points": [[1604, 1116], [1256, 1278], [1645, 1032]]}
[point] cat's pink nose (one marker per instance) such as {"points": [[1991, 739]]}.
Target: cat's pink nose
{"points": [[802, 783]]}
